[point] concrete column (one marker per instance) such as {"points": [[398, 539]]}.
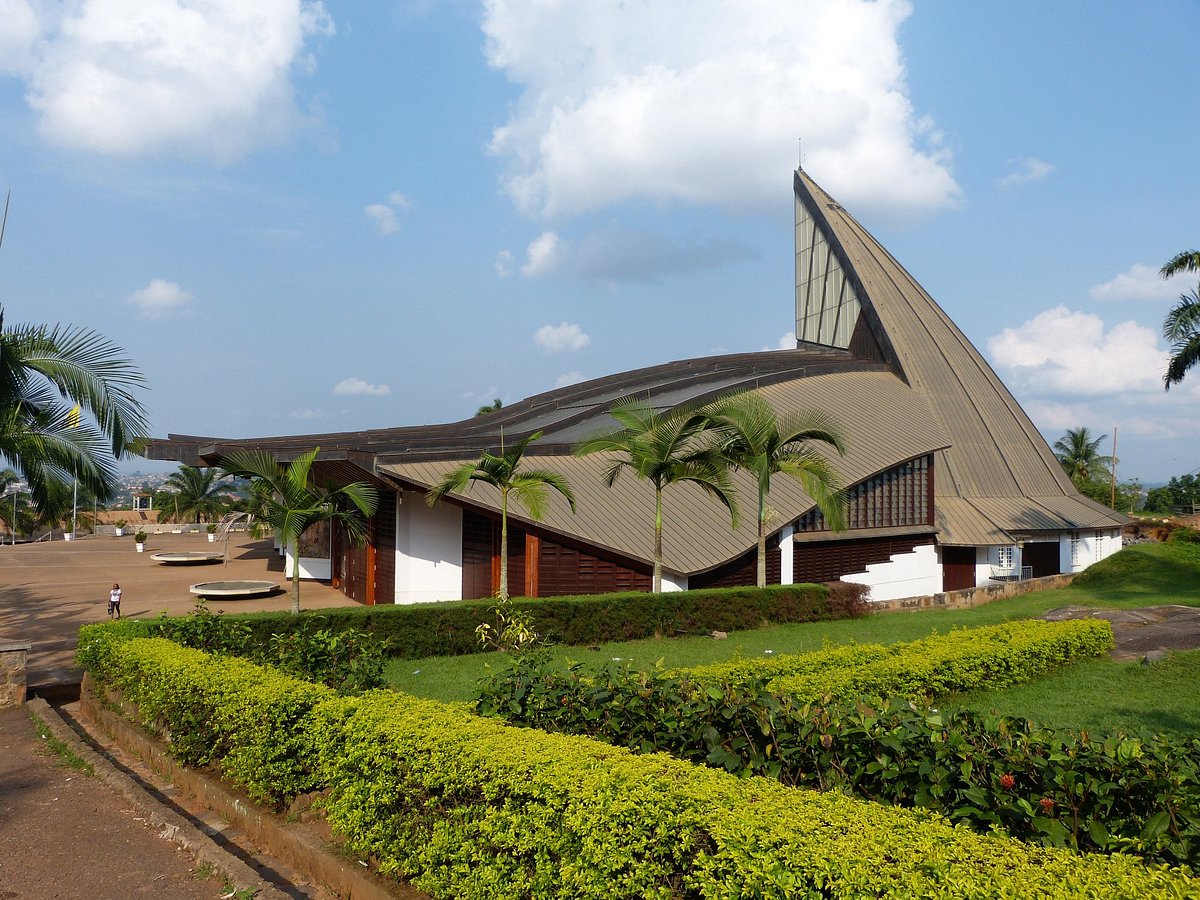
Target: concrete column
{"points": [[13, 657]]}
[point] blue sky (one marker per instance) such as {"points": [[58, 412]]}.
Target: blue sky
{"points": [[303, 217]]}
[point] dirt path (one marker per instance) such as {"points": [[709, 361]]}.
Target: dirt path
{"points": [[65, 835], [1138, 632]]}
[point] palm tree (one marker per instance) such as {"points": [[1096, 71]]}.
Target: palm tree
{"points": [[755, 438], [67, 409], [1182, 325], [1187, 261], [665, 449], [503, 472], [1182, 328], [289, 504], [198, 493], [1079, 454]]}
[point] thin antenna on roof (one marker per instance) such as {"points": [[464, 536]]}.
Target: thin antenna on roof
{"points": [[4, 221], [800, 153]]}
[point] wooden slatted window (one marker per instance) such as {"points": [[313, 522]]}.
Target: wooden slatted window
{"points": [[899, 496]]}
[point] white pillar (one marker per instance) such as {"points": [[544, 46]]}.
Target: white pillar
{"points": [[787, 558]]}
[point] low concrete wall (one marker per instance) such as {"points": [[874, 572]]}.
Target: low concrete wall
{"points": [[976, 596], [13, 658]]}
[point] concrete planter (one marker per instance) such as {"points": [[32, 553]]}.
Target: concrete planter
{"points": [[141, 548]]}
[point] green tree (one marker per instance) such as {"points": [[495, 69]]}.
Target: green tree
{"points": [[289, 503], [199, 494], [1181, 492], [1182, 324], [753, 437], [666, 449], [67, 408], [1182, 328], [1079, 454], [1187, 261], [503, 472], [489, 408]]}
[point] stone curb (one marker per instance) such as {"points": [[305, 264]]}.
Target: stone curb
{"points": [[170, 824], [306, 852]]}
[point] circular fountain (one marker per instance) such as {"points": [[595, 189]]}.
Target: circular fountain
{"points": [[186, 557], [234, 590]]}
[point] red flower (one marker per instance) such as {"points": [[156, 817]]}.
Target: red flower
{"points": [[1007, 781], [1047, 804]]}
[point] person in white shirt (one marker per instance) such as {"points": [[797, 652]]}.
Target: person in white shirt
{"points": [[114, 601]]}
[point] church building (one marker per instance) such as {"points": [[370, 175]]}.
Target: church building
{"points": [[950, 484]]}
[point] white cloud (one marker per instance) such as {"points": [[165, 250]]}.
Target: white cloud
{"points": [[504, 264], [159, 298], [701, 101], [384, 214], [787, 342], [561, 338], [1140, 282], [1024, 171], [1063, 352], [568, 378], [306, 414], [540, 255], [620, 253], [356, 387], [126, 77]]}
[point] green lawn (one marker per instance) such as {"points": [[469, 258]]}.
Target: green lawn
{"points": [[1099, 694]]}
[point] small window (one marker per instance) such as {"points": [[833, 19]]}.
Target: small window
{"points": [[1074, 550], [1005, 557]]}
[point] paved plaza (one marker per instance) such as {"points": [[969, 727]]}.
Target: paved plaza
{"points": [[48, 590]]}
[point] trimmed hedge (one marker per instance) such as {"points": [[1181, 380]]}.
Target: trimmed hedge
{"points": [[471, 808], [245, 719], [966, 659], [448, 629]]}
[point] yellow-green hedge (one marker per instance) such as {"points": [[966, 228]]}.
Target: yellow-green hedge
{"points": [[963, 660], [470, 808]]}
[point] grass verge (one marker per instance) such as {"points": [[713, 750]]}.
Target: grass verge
{"points": [[67, 756]]}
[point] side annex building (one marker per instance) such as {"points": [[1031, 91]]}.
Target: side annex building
{"points": [[951, 486]]}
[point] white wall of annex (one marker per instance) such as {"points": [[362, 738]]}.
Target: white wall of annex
{"points": [[428, 551], [913, 574]]}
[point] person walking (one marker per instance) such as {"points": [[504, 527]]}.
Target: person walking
{"points": [[114, 601]]}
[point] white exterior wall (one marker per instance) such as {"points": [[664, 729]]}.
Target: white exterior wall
{"points": [[905, 575], [428, 551], [310, 567], [787, 556], [673, 582], [1093, 546], [985, 558]]}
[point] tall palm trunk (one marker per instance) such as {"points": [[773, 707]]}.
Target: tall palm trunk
{"points": [[504, 543], [762, 538], [296, 576], [657, 584]]}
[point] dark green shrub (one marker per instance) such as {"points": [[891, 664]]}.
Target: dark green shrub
{"points": [[1184, 534], [348, 661]]}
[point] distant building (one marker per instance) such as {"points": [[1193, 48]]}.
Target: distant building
{"points": [[951, 484]]}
